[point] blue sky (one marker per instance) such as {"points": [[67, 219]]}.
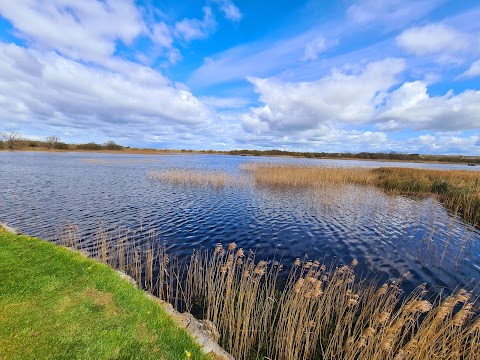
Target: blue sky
{"points": [[347, 75]]}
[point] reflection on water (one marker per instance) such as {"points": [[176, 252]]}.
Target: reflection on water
{"points": [[388, 234]]}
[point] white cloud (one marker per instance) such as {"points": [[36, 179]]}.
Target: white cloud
{"points": [[48, 91], [390, 13], [340, 97], [174, 56], [229, 9], [323, 138], [360, 99], [410, 106], [445, 144], [432, 39], [314, 48], [162, 35], [86, 30], [191, 29], [473, 71]]}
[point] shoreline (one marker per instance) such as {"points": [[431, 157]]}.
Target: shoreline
{"points": [[208, 152]]}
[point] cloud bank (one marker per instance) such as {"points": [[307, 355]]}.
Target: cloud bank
{"points": [[377, 76]]}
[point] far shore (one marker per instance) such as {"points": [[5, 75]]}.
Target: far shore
{"points": [[136, 151]]}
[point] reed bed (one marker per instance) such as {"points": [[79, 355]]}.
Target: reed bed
{"points": [[322, 311], [458, 190], [298, 175], [214, 179]]}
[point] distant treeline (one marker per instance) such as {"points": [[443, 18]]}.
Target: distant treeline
{"points": [[361, 155], [56, 144], [15, 141]]}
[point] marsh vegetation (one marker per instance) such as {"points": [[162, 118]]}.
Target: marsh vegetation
{"points": [[193, 177], [458, 190], [320, 310]]}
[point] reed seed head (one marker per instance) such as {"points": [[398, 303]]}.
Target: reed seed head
{"points": [[298, 285], [361, 343], [369, 332], [383, 317], [476, 326], [462, 296], [218, 248], [386, 344], [462, 315], [421, 306], [382, 290], [352, 302]]}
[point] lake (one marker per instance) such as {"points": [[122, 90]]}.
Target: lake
{"points": [[389, 235]]}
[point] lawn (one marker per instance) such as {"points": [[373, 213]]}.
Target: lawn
{"points": [[57, 304]]}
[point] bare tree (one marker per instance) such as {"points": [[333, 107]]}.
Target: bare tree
{"points": [[51, 141], [10, 138]]}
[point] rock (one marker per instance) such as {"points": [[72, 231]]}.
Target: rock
{"points": [[210, 328], [10, 229], [206, 334]]}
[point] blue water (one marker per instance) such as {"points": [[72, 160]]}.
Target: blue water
{"points": [[389, 235]]}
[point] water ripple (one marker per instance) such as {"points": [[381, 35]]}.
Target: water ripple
{"points": [[388, 234]]}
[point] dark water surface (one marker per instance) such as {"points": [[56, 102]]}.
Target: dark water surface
{"points": [[40, 192]]}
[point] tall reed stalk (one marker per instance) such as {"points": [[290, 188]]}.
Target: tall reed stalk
{"points": [[323, 311]]}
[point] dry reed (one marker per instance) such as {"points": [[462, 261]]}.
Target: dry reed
{"points": [[323, 311], [215, 179]]}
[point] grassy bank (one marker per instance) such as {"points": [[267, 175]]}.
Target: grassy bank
{"points": [[54, 303], [458, 190]]}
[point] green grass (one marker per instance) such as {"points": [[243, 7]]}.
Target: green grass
{"points": [[57, 304]]}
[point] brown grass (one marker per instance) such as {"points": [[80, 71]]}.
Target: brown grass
{"points": [[215, 179], [323, 311]]}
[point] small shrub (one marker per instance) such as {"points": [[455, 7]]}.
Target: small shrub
{"points": [[61, 146], [89, 146], [112, 145]]}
